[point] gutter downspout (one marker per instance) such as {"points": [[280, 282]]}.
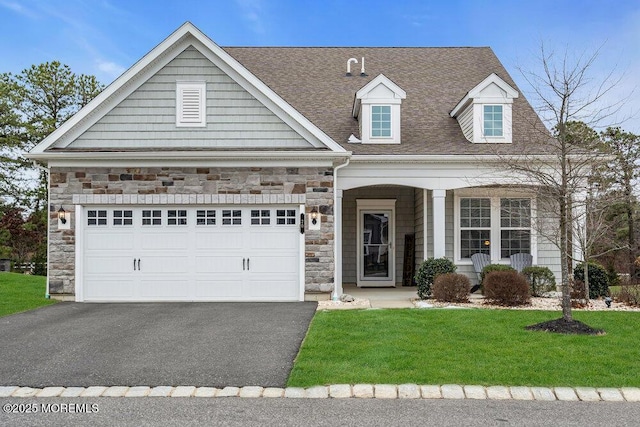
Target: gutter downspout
{"points": [[47, 295], [337, 238]]}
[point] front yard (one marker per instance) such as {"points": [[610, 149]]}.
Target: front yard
{"points": [[466, 346], [20, 292]]}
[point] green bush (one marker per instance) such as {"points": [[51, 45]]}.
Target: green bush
{"points": [[598, 279], [452, 287], [612, 274], [506, 288], [540, 279], [428, 271]]}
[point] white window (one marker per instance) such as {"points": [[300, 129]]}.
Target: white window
{"points": [[286, 217], [206, 217], [176, 217], [381, 121], [191, 105], [496, 226], [96, 217], [260, 217], [492, 121], [231, 217], [151, 217], [122, 217]]}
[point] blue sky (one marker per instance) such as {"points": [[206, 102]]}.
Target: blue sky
{"points": [[104, 37]]}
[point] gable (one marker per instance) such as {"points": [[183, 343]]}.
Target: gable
{"points": [[147, 117]]}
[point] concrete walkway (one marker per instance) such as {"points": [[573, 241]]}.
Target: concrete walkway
{"points": [[338, 391]]}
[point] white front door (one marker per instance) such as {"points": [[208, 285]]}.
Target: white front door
{"points": [[375, 248], [161, 253]]}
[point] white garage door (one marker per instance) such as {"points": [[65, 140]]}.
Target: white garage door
{"points": [[191, 254]]}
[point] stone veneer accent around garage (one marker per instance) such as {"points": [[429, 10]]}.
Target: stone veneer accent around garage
{"points": [[311, 186]]}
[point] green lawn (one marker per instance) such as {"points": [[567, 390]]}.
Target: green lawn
{"points": [[484, 347], [20, 292]]}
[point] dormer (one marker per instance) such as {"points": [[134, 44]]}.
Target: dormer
{"points": [[377, 109], [485, 113]]}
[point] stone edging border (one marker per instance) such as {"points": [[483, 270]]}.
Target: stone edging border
{"points": [[362, 391]]}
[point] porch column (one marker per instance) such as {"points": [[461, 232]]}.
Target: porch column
{"points": [[337, 238], [438, 223]]}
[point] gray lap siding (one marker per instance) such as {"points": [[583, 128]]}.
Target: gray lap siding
{"points": [[313, 185]]}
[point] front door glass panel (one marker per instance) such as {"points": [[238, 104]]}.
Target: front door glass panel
{"points": [[375, 239]]}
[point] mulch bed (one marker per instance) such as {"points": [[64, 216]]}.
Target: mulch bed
{"points": [[561, 326]]}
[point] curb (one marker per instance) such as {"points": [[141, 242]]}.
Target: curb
{"points": [[344, 391]]}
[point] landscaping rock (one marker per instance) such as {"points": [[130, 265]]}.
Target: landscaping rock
{"points": [[295, 392], [94, 391], [475, 392], [50, 392], [452, 391], [115, 391], [521, 393], [430, 392], [72, 392], [587, 394], [317, 392], [183, 391], [408, 391], [543, 393], [340, 391], [610, 395], [228, 392], [566, 394], [139, 391], [161, 391], [273, 392], [363, 391], [205, 392], [251, 391], [347, 298], [385, 391], [631, 394], [498, 393]]}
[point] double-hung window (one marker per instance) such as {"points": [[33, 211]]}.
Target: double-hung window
{"points": [[381, 121], [499, 227], [493, 123]]}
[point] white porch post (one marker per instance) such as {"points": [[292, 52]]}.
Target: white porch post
{"points": [[425, 224], [438, 223], [337, 228]]}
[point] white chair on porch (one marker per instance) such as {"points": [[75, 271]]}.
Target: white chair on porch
{"points": [[521, 261]]}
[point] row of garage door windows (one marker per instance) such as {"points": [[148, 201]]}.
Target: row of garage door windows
{"points": [[123, 217]]}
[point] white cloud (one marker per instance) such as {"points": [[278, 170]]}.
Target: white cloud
{"points": [[18, 8], [253, 12], [111, 69]]}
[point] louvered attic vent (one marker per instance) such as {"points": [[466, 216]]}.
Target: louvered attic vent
{"points": [[191, 104]]}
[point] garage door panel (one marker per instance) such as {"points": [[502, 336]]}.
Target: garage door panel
{"points": [[109, 240], [220, 240], [110, 289], [153, 264], [218, 264], [268, 264], [107, 263], [162, 287], [229, 287], [165, 240], [273, 239]]}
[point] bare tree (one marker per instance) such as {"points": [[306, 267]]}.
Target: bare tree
{"points": [[570, 104]]}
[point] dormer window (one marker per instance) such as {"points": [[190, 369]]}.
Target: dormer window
{"points": [[492, 121], [484, 114], [381, 121], [377, 108]]}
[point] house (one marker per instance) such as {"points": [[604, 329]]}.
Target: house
{"points": [[273, 174]]}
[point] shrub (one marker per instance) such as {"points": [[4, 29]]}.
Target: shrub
{"points": [[493, 267], [629, 295], [506, 288], [540, 279], [598, 279], [428, 271], [451, 287], [612, 274]]}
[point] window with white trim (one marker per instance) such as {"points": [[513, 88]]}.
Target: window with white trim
{"points": [[151, 217], [205, 217], [475, 226], [515, 226], [191, 105], [286, 217], [122, 217], [492, 124], [231, 217], [260, 217], [496, 226], [96, 217], [380, 121], [176, 217]]}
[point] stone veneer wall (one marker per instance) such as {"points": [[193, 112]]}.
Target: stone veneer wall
{"points": [[313, 185]]}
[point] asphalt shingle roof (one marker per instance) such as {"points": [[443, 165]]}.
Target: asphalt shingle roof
{"points": [[313, 81]]}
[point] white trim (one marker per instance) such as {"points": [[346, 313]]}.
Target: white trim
{"points": [[439, 223], [364, 205], [337, 230], [188, 199], [79, 255], [140, 72], [494, 194], [301, 255], [476, 92], [425, 224]]}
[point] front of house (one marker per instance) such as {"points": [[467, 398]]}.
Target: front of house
{"points": [[280, 174]]}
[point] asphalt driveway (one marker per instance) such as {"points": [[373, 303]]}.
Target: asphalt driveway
{"points": [[200, 344]]}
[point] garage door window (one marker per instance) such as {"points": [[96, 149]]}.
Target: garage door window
{"points": [[231, 217], [151, 217], [286, 217], [121, 217], [96, 217], [206, 217], [176, 217], [260, 217]]}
